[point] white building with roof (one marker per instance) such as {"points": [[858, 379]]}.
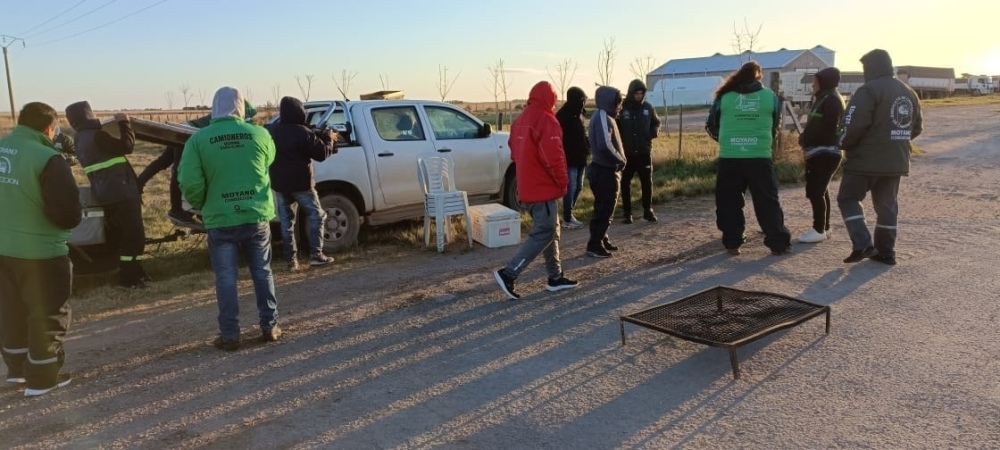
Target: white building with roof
{"points": [[719, 65]]}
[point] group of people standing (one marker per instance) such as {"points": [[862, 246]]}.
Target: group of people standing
{"points": [[872, 135], [226, 171]]}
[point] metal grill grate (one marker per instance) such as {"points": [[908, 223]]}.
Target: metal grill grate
{"points": [[726, 317]]}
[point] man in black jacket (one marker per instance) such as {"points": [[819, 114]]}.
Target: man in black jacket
{"points": [[292, 178], [113, 183], [577, 149], [638, 125], [882, 118], [820, 143]]}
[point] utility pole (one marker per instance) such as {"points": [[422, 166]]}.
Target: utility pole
{"points": [[6, 41]]}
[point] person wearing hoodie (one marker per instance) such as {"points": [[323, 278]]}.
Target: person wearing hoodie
{"points": [[744, 120], [820, 142], [576, 148], [224, 173], [881, 119], [113, 184], [638, 126], [41, 203], [605, 172], [292, 178], [537, 151], [170, 158]]}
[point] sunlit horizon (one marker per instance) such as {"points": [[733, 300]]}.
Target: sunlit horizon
{"points": [[155, 47]]}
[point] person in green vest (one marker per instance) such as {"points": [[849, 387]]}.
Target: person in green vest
{"points": [[41, 204], [744, 120], [223, 172]]}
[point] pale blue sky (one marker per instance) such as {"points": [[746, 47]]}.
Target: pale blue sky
{"points": [[262, 44]]}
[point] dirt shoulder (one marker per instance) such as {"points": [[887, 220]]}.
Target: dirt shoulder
{"points": [[421, 350]]}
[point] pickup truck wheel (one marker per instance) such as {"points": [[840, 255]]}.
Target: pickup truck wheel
{"points": [[510, 193], [342, 222]]}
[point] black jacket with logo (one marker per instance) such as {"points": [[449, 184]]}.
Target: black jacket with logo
{"points": [[881, 119], [94, 146], [637, 122]]}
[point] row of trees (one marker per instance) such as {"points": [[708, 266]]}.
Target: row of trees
{"points": [[745, 42]]}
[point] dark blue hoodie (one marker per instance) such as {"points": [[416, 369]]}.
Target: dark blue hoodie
{"points": [[296, 146]]}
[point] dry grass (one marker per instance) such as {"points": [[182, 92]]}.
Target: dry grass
{"points": [[992, 99]]}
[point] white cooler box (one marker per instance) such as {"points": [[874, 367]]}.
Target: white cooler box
{"points": [[494, 225]]}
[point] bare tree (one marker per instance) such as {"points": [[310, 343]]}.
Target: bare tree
{"points": [[201, 97], [501, 82], [276, 94], [186, 94], [642, 66], [170, 99], [746, 41], [248, 94], [384, 79], [344, 84], [305, 88], [565, 71], [444, 83], [606, 62]]}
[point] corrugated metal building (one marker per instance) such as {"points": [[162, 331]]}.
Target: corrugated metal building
{"points": [[784, 60]]}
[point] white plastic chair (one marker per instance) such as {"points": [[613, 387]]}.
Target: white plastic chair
{"points": [[441, 199]]}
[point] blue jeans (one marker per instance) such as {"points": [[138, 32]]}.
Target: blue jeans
{"points": [[308, 201], [224, 247], [573, 192]]}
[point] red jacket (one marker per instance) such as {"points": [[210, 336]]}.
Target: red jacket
{"points": [[537, 150]]}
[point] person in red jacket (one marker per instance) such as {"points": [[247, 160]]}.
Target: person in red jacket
{"points": [[537, 151]]}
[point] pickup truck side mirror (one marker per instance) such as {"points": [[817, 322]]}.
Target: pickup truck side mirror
{"points": [[486, 130]]}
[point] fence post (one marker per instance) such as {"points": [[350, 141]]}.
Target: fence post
{"points": [[680, 131]]}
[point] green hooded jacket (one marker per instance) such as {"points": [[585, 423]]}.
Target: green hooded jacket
{"points": [[224, 167]]}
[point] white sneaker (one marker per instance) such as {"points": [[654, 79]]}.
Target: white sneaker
{"points": [[812, 236], [572, 224], [829, 234], [63, 381]]}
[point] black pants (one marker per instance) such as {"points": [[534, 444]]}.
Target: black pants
{"points": [[604, 183], [127, 235], [641, 165], [170, 158], [735, 176], [35, 315], [819, 172]]}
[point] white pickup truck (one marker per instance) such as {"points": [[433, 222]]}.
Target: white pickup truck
{"points": [[372, 180], [373, 177]]}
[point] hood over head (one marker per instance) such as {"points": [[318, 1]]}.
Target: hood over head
{"points": [[543, 95], [228, 102], [828, 78], [633, 87], [607, 99], [575, 100], [877, 64], [292, 111], [81, 117]]}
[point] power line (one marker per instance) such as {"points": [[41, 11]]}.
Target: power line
{"points": [[101, 25], [69, 21], [53, 18]]}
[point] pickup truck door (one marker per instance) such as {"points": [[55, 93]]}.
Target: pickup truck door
{"points": [[456, 133], [398, 138]]}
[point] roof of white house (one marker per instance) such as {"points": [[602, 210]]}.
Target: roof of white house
{"points": [[722, 63]]}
